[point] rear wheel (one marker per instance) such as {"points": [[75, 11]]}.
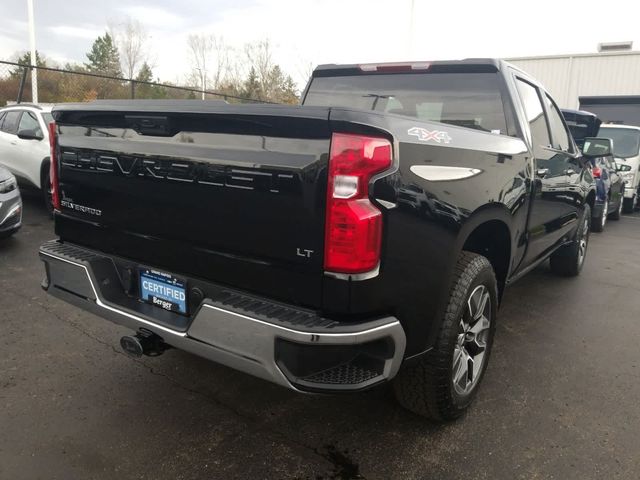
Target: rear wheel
{"points": [[8, 234], [442, 385], [618, 213], [569, 260], [45, 188], [598, 223], [630, 204]]}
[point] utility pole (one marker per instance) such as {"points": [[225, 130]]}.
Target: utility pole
{"points": [[34, 64]]}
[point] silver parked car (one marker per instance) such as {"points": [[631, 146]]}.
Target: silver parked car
{"points": [[10, 204]]}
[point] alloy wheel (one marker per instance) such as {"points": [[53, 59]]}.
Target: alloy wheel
{"points": [[605, 209], [469, 353], [583, 242]]}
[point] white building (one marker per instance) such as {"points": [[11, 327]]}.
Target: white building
{"points": [[614, 70]]}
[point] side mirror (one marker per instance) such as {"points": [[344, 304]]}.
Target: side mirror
{"points": [[597, 147], [30, 135]]}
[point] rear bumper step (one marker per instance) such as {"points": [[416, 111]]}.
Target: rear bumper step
{"points": [[283, 344]]}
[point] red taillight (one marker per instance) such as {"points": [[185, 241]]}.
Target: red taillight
{"points": [[354, 225], [596, 172], [53, 166]]}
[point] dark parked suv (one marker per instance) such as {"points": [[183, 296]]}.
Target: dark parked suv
{"points": [[609, 183], [366, 236]]}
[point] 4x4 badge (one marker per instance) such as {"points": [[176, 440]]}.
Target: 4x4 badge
{"points": [[425, 135]]}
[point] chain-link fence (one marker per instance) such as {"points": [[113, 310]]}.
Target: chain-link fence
{"points": [[58, 86]]}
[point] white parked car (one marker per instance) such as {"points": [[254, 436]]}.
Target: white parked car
{"points": [[24, 145], [626, 150]]}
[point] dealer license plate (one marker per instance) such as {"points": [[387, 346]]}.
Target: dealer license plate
{"points": [[163, 290]]}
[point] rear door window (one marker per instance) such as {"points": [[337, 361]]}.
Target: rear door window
{"points": [[47, 118], [535, 115], [29, 123], [559, 134]]}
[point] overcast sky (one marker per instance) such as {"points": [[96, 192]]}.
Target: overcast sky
{"points": [[328, 31]]}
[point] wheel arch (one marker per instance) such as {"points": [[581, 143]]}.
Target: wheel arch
{"points": [[488, 233], [591, 199], [44, 170]]}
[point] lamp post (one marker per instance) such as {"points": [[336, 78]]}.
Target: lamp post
{"points": [[34, 64]]}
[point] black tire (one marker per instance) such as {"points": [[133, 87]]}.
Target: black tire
{"points": [[427, 387], [45, 189], [598, 223], [618, 213], [5, 235], [629, 204], [568, 260]]}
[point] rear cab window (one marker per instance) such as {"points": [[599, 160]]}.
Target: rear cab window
{"points": [[471, 100]]}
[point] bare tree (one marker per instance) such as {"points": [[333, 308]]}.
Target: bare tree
{"points": [[209, 59], [235, 69], [200, 47], [131, 37], [221, 59], [265, 79], [304, 69], [260, 59]]}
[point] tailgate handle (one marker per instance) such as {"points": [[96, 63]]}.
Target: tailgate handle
{"points": [[156, 125]]}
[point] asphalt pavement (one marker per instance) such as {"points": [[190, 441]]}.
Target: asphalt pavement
{"points": [[561, 398]]}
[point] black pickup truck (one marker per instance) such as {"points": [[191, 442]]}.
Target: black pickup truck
{"points": [[365, 236]]}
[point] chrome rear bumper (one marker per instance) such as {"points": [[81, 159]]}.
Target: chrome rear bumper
{"points": [[292, 347]]}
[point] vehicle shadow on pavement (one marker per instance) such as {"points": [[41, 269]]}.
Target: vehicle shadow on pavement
{"points": [[75, 406]]}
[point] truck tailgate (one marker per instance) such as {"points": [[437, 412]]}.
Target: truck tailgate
{"points": [[234, 195]]}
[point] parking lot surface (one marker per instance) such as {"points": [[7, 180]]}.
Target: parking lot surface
{"points": [[560, 398]]}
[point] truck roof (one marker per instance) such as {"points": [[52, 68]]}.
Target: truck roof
{"points": [[610, 99], [619, 125], [467, 65]]}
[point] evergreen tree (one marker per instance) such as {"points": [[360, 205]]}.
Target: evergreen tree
{"points": [[144, 90], [289, 92], [26, 60], [104, 57], [251, 87], [145, 74]]}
